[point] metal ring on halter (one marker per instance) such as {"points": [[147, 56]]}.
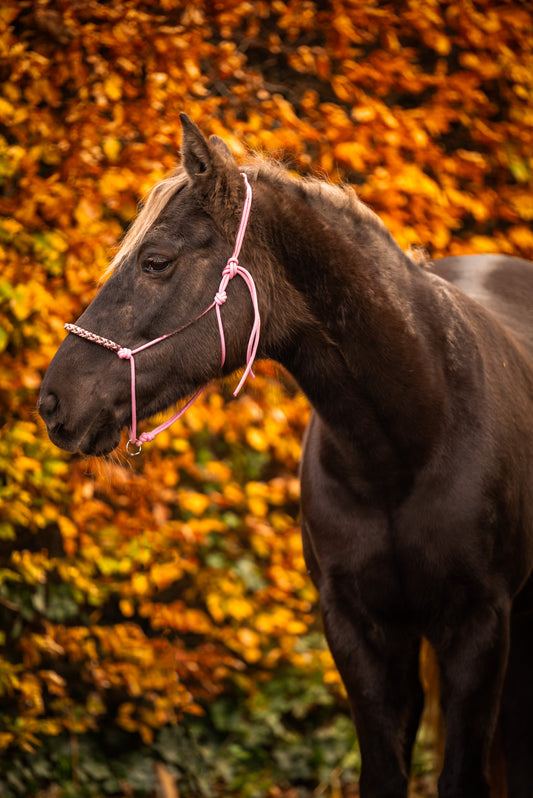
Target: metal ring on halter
{"points": [[138, 445]]}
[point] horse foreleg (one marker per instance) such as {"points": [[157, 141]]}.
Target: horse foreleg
{"points": [[380, 671], [473, 659], [517, 709]]}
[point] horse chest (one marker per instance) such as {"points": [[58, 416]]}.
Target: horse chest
{"points": [[386, 574], [418, 566]]}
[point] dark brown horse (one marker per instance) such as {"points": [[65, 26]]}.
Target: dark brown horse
{"points": [[417, 475]]}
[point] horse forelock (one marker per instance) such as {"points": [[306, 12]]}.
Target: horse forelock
{"points": [[156, 199]]}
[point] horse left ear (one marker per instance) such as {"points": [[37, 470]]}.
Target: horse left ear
{"points": [[201, 159], [195, 153]]}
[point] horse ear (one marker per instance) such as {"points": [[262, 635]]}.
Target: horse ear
{"points": [[195, 154], [221, 147], [200, 158]]}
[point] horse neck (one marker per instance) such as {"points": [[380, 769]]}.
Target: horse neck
{"points": [[363, 355]]}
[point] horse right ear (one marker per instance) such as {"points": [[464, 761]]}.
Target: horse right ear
{"points": [[221, 147], [202, 160]]}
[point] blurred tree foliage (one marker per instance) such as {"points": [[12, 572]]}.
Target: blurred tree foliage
{"points": [[162, 608]]}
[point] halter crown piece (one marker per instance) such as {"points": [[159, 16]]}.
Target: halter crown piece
{"points": [[231, 269]]}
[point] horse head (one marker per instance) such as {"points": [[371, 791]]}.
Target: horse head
{"points": [[164, 281]]}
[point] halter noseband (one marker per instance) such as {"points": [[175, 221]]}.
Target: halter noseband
{"points": [[231, 269]]}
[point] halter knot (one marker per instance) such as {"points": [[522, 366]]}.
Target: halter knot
{"points": [[220, 297], [124, 353], [231, 268]]}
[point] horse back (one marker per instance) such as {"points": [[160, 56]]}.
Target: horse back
{"points": [[501, 283]]}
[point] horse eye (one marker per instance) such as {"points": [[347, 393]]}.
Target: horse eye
{"points": [[155, 265]]}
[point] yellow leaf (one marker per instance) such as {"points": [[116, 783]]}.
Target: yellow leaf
{"points": [[250, 641], [352, 153], [522, 236], [363, 114], [140, 584], [439, 42], [296, 627], [86, 212], [111, 147], [54, 682], [67, 527], [238, 608], [6, 109], [193, 502], [258, 507], [257, 439], [11, 226], [115, 180], [164, 574], [214, 607], [127, 608], [233, 493], [31, 690], [24, 463], [6, 738], [523, 203], [218, 470], [113, 87]]}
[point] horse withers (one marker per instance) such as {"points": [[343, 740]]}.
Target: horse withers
{"points": [[417, 472]]}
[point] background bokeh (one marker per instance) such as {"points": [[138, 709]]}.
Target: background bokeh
{"points": [[158, 609]]}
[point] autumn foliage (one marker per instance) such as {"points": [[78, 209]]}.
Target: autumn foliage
{"points": [[165, 602]]}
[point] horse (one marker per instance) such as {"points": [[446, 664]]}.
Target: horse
{"points": [[417, 464]]}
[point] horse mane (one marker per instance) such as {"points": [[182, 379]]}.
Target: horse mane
{"points": [[154, 201], [338, 205]]}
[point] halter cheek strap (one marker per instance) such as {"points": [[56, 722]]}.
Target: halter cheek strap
{"points": [[231, 270]]}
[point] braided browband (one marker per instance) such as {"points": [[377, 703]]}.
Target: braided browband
{"points": [[90, 336]]}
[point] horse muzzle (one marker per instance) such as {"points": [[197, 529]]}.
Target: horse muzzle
{"points": [[91, 435]]}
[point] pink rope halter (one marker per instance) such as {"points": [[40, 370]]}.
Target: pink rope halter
{"points": [[231, 269]]}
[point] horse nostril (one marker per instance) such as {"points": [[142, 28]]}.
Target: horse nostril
{"points": [[48, 406]]}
